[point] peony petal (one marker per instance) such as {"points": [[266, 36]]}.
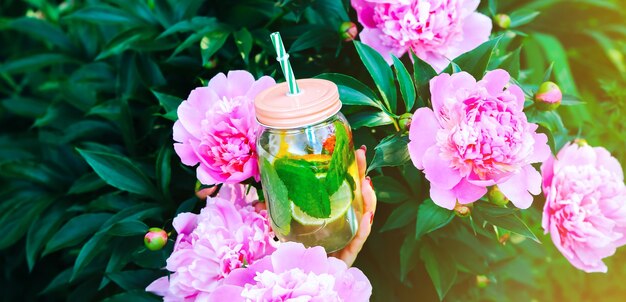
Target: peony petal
{"points": [[495, 80], [190, 118], [159, 286], [236, 84], [228, 293], [541, 149], [185, 223], [186, 154], [442, 197], [605, 160], [518, 186], [261, 84], [371, 37], [476, 30], [422, 134], [204, 176], [574, 155], [466, 192], [438, 170], [365, 12], [519, 96], [294, 255], [547, 172]]}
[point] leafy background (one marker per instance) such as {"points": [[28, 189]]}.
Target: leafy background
{"points": [[88, 92]]}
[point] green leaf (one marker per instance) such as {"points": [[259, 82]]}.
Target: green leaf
{"points": [[548, 73], [340, 160], [279, 204], [431, 217], [390, 190], [212, 42], [75, 231], [39, 233], [407, 88], [170, 103], [135, 296], [380, 72], [315, 37], [400, 216], [511, 223], [440, 267], [351, 91], [422, 73], [549, 119], [125, 40], [303, 187], [493, 210], [408, 255], [16, 220], [43, 31], [120, 172], [164, 169], [391, 151], [369, 119], [34, 62], [128, 228], [570, 100], [89, 182], [522, 17], [512, 63], [103, 14], [133, 279], [475, 62], [243, 39], [493, 7]]}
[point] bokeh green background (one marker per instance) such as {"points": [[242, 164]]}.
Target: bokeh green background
{"points": [[106, 77]]}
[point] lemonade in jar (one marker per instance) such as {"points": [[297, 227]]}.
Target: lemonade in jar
{"points": [[308, 168]]}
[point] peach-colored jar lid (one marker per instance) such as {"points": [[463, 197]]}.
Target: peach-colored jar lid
{"points": [[317, 101]]}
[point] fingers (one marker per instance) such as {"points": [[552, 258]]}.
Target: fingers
{"points": [[369, 196], [348, 254], [361, 161], [205, 192]]}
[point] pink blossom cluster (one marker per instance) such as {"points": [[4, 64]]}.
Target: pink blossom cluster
{"points": [[585, 209], [217, 128], [223, 237], [477, 136], [437, 31]]}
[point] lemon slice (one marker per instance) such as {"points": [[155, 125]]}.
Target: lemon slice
{"points": [[339, 205]]}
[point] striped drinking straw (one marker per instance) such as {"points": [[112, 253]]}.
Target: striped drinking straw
{"points": [[283, 59]]}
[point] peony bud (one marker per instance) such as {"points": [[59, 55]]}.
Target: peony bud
{"points": [[462, 210], [581, 142], [482, 281], [155, 239], [502, 20], [405, 121], [496, 197], [348, 31], [548, 97]]}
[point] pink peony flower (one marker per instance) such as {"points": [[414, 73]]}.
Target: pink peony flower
{"points": [[295, 273], [477, 136], [239, 194], [585, 210], [216, 127], [210, 245], [436, 30]]}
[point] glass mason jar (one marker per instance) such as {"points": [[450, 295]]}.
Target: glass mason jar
{"points": [[308, 168]]}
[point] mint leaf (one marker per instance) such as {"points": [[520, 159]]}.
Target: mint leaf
{"points": [[340, 159], [279, 206], [303, 187]]}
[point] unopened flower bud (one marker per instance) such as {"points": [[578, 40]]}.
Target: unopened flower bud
{"points": [[502, 20], [155, 239], [348, 31], [482, 281], [548, 97], [405, 121], [462, 210], [496, 197], [581, 142]]}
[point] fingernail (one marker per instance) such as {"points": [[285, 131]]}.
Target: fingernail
{"points": [[372, 217], [370, 181], [364, 148]]}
